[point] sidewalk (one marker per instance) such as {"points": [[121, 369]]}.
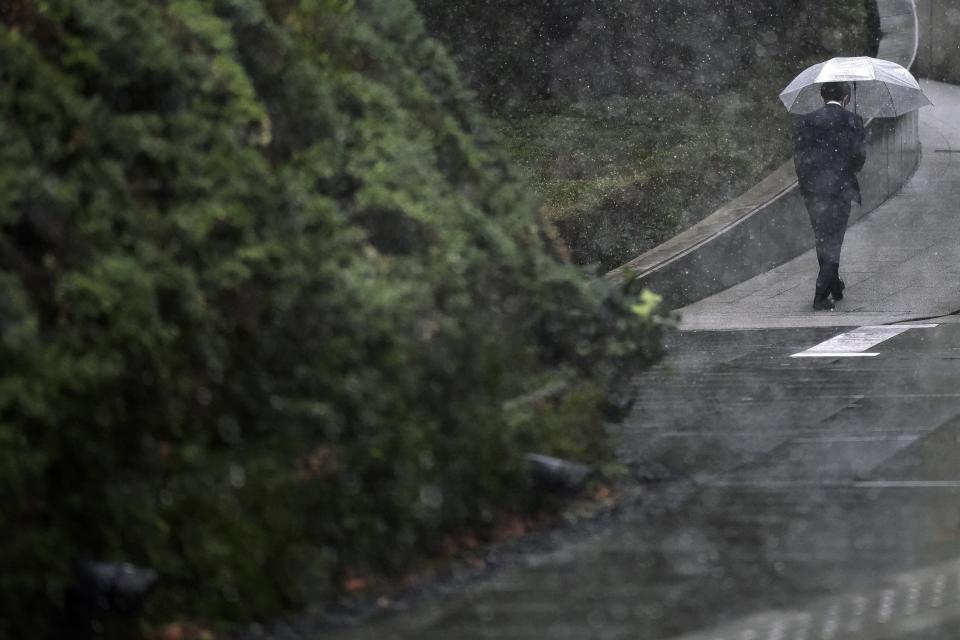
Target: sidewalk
{"points": [[901, 262]]}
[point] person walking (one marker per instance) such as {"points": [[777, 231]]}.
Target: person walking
{"points": [[830, 149]]}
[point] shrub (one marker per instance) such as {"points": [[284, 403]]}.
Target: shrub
{"points": [[268, 294]]}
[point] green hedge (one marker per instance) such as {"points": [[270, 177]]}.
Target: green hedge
{"points": [[268, 295]]}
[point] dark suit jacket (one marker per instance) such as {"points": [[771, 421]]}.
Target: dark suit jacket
{"points": [[829, 151]]}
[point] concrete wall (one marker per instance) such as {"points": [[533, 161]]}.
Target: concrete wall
{"points": [[938, 56], [768, 225]]}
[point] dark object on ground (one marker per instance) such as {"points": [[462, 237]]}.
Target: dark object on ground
{"points": [[558, 475], [650, 470], [105, 600]]}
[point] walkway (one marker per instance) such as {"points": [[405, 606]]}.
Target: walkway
{"points": [[900, 262]]}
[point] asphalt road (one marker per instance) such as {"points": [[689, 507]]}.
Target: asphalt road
{"points": [[801, 498]]}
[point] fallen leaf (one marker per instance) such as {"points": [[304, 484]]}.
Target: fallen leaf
{"points": [[603, 492], [164, 450], [181, 631], [510, 528], [354, 585], [448, 547], [318, 462]]}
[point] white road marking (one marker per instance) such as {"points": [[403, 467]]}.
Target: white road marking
{"points": [[778, 630], [886, 606], [854, 344], [913, 598], [860, 604], [831, 624], [850, 439], [834, 354], [886, 612], [908, 484], [939, 588]]}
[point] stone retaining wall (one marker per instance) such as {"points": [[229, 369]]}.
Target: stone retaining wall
{"points": [[938, 56]]}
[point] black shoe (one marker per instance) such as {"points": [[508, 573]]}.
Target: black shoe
{"points": [[822, 303], [837, 291]]}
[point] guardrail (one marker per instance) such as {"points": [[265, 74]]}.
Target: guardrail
{"points": [[768, 225]]}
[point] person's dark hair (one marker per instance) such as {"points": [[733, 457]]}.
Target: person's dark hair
{"points": [[834, 91]]}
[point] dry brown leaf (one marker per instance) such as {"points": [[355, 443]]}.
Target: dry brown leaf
{"points": [[603, 492], [510, 528], [355, 584], [181, 631]]}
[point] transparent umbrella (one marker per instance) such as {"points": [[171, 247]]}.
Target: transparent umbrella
{"points": [[881, 89]]}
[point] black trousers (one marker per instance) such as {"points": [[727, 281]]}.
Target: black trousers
{"points": [[829, 215]]}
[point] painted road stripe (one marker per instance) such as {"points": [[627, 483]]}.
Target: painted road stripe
{"points": [[897, 610], [726, 483], [834, 354], [854, 344], [908, 484]]}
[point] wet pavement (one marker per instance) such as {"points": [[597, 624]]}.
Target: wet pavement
{"points": [[812, 498]]}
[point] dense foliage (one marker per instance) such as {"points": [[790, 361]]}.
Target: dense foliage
{"points": [[635, 119], [273, 308]]}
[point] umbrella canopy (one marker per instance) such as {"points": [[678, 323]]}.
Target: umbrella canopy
{"points": [[881, 89]]}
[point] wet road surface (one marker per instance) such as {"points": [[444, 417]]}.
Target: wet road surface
{"points": [[807, 499]]}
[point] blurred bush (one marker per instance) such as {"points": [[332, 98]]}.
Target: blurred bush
{"points": [[274, 310]]}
